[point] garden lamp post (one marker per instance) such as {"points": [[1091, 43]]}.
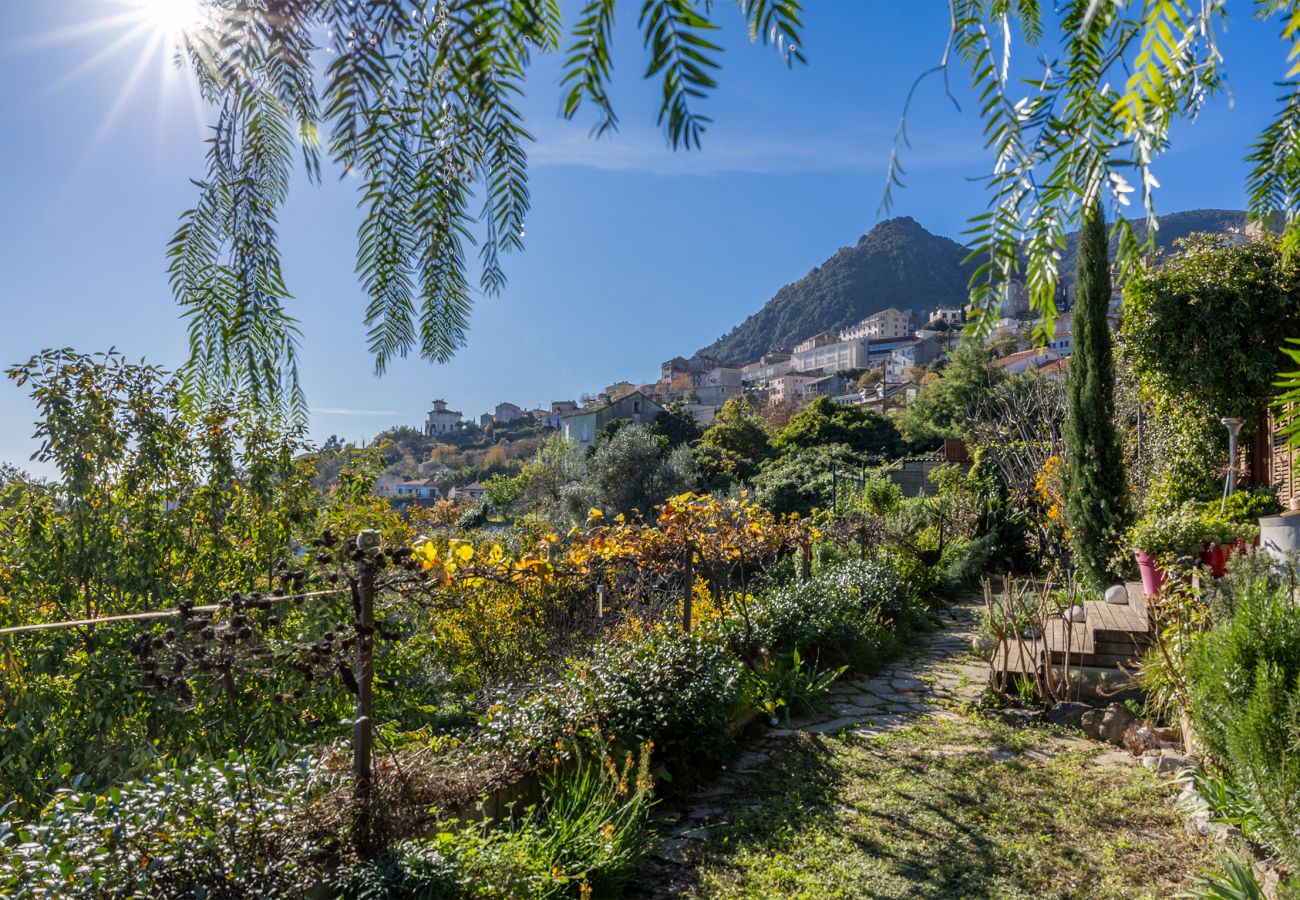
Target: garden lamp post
{"points": [[1230, 484]]}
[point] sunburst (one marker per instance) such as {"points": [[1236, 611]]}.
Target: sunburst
{"points": [[150, 34]]}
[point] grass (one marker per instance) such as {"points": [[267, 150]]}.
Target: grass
{"points": [[958, 807]]}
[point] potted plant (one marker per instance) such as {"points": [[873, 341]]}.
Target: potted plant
{"points": [[1233, 524], [1163, 534]]}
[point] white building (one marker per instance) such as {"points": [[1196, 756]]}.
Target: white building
{"points": [[836, 357], [949, 315], [418, 490], [545, 417], [768, 366], [441, 420]]}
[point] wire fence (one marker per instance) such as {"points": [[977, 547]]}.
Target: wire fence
{"points": [[154, 614]]}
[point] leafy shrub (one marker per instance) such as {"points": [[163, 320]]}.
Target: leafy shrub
{"points": [[202, 832], [802, 479], [850, 613], [670, 688], [474, 516], [1243, 681], [1248, 505], [965, 561], [585, 839], [922, 583], [783, 685]]}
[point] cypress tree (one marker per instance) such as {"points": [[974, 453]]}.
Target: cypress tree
{"points": [[1096, 492]]}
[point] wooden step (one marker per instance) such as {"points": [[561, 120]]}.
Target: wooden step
{"points": [[1078, 643], [1018, 658]]}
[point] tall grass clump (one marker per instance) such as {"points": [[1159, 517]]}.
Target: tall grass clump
{"points": [[583, 840]]}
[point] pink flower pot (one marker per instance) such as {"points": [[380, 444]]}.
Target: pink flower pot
{"points": [[1153, 577]]}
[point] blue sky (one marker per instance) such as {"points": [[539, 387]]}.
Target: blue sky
{"points": [[634, 253]]}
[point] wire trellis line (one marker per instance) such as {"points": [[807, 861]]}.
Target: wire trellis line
{"points": [[154, 614]]}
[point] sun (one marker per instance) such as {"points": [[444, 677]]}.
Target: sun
{"points": [[170, 19]]}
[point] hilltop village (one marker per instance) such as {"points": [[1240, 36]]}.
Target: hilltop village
{"points": [[879, 363]]}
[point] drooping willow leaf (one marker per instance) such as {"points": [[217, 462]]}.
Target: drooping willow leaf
{"points": [[420, 104]]}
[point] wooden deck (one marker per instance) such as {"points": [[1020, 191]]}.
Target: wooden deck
{"points": [[1110, 637]]}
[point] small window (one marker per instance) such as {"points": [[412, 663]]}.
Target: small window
{"points": [[636, 406]]}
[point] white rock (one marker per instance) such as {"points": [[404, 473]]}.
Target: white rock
{"points": [[1117, 594], [1074, 614]]}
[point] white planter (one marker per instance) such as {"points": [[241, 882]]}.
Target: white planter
{"points": [[1280, 536]]}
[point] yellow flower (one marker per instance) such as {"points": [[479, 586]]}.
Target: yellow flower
{"points": [[593, 514], [465, 551], [427, 555], [496, 554]]}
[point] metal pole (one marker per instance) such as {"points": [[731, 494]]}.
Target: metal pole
{"points": [[687, 589], [1230, 483]]}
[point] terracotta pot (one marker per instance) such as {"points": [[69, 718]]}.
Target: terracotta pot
{"points": [[1153, 576], [1215, 558]]}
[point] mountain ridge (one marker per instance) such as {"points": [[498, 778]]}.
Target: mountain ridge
{"points": [[899, 263]]}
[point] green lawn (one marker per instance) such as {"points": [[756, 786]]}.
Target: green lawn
{"points": [[957, 807]]}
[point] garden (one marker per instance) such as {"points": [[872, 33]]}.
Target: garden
{"points": [[222, 680]]}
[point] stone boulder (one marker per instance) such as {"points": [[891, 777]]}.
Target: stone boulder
{"points": [[1068, 713], [1167, 762], [1107, 724], [1018, 716]]}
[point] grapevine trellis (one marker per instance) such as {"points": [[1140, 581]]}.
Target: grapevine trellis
{"points": [[696, 549]]}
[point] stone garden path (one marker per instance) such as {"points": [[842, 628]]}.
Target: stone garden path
{"points": [[929, 678], [851, 803]]}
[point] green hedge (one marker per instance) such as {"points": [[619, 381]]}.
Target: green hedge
{"points": [[1243, 680], [854, 613]]}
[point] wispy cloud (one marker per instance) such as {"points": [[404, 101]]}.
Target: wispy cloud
{"points": [[645, 150], [343, 411]]}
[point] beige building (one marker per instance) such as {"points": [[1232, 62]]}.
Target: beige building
{"points": [[506, 412], [768, 366], [888, 323], [789, 387], [821, 339], [582, 425]]}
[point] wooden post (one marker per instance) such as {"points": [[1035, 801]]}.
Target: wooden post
{"points": [[805, 562], [688, 589], [363, 729]]}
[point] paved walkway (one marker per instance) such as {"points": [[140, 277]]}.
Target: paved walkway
{"points": [[930, 678]]}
